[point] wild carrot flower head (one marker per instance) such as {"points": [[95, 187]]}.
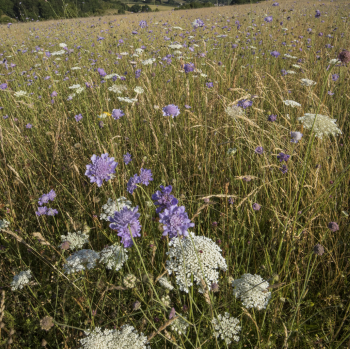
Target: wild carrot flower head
{"points": [[21, 279], [81, 260], [113, 257], [226, 327], [124, 222], [163, 199], [175, 221], [112, 206], [102, 168]]}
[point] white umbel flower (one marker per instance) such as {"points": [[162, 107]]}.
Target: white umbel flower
{"points": [[77, 240], [75, 68], [175, 46], [235, 111], [58, 53], [114, 206], [252, 290], [79, 90], [126, 338], [117, 89], [194, 255], [21, 280], [139, 90], [139, 51], [166, 283], [324, 125], [307, 82], [226, 327], [148, 61], [180, 325], [74, 87], [110, 76], [20, 93], [4, 224], [81, 260], [291, 103], [113, 257], [62, 45], [129, 281], [127, 99]]}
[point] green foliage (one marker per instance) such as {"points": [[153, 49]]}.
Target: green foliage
{"points": [[5, 19], [194, 5]]}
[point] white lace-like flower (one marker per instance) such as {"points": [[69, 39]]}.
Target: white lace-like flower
{"points": [[112, 206], [231, 151], [175, 46], [252, 290], [113, 257], [296, 66], [124, 53], [102, 116], [20, 93], [75, 68], [166, 301], [324, 125], [195, 255], [4, 224], [126, 338], [291, 103], [74, 87], [139, 51], [226, 327], [334, 61], [166, 283], [139, 90], [117, 89], [235, 111], [307, 82], [290, 71], [129, 281], [289, 56], [148, 61], [58, 53], [80, 90], [178, 28], [127, 99], [110, 76], [81, 260], [179, 325], [77, 240], [21, 279], [62, 45]]}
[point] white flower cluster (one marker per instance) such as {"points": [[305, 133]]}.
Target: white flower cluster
{"points": [[139, 90], [74, 87], [179, 325], [75, 68], [323, 124], [175, 46], [4, 224], [127, 99], [291, 103], [235, 111], [129, 281], [226, 327], [148, 61], [126, 338], [62, 45], [289, 56], [307, 82], [21, 279], [113, 257], [166, 301], [58, 53], [80, 260], [139, 51], [80, 90], [166, 283], [196, 255], [112, 206], [252, 290], [20, 93], [110, 76], [117, 89], [77, 240]]}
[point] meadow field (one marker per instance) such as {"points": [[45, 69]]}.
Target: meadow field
{"points": [[177, 179]]}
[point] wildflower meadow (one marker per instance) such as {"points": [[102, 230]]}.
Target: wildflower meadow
{"points": [[177, 179]]}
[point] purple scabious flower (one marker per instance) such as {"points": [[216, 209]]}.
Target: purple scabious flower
{"points": [[275, 4], [54, 94], [171, 110], [131, 186], [244, 103], [117, 114], [134, 32], [51, 212], [143, 24], [29, 125], [137, 73], [101, 72], [41, 211], [163, 199], [209, 84], [335, 77], [78, 117], [272, 118], [102, 168], [127, 158], [189, 67], [256, 207], [3, 86], [187, 106], [198, 23], [145, 176], [333, 226], [284, 169], [45, 198], [175, 221], [275, 54], [268, 19], [283, 157], [318, 14], [124, 222], [296, 136], [259, 150]]}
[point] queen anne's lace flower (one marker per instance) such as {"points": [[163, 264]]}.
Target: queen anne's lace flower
{"points": [[114, 206], [117, 89], [324, 125], [166, 283], [113, 257], [307, 82], [139, 89], [291, 103], [180, 325], [81, 260], [166, 301], [252, 290], [126, 338], [148, 61], [195, 255], [4, 224], [21, 279], [226, 327], [234, 111], [129, 281], [77, 240]]}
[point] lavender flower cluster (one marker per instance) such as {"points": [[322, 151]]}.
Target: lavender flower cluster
{"points": [[44, 199]]}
